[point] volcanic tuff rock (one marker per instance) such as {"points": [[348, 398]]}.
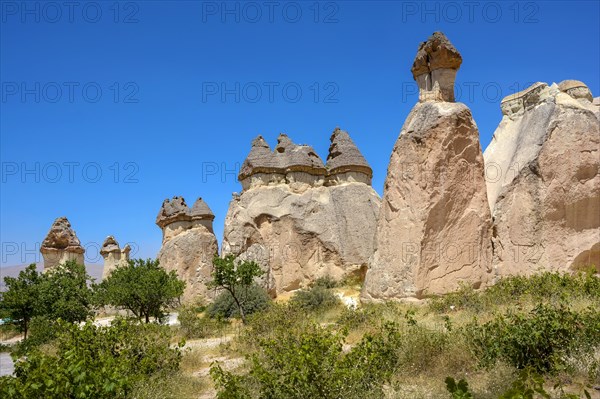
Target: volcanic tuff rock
{"points": [[434, 227], [61, 244], [189, 244], [435, 68], [113, 255], [543, 180], [300, 220]]}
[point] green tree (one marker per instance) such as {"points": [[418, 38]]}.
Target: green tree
{"points": [[19, 301], [234, 278], [64, 293], [142, 287]]}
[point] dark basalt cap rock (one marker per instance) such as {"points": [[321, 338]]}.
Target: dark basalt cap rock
{"points": [[62, 237], [436, 53], [293, 157], [172, 211], [287, 157], [200, 210], [109, 245], [259, 160], [344, 155]]}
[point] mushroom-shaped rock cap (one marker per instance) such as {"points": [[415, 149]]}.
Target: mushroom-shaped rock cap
{"points": [[200, 210], [259, 160], [109, 245], [345, 156], [293, 157], [172, 211], [61, 236], [436, 53], [576, 89]]}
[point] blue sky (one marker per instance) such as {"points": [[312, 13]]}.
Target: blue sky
{"points": [[108, 108]]}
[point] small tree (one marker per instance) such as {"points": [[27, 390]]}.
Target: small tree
{"points": [[64, 293], [142, 287], [234, 278], [19, 301]]}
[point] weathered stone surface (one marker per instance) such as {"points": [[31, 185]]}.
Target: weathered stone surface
{"points": [[113, 255], [298, 165], [434, 68], [543, 182], [434, 227], [299, 231], [345, 160], [61, 244], [189, 244]]}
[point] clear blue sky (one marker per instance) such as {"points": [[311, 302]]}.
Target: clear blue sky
{"points": [[134, 91]]}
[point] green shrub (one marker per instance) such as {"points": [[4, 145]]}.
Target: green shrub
{"points": [[93, 362], [546, 287], [311, 364], [253, 299], [316, 297], [192, 325], [325, 282], [541, 339], [41, 331]]}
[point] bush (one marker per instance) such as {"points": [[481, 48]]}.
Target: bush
{"points": [[194, 326], [541, 340], [546, 287], [311, 364], [325, 282], [317, 297], [253, 299], [93, 362]]}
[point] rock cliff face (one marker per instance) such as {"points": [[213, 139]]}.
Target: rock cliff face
{"points": [[61, 245], [543, 180], [189, 244], [113, 255], [300, 219], [434, 227]]}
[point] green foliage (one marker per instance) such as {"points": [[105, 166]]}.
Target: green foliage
{"points": [[192, 325], [93, 362], [59, 293], [459, 390], [142, 287], [253, 299], [541, 339], [311, 363], [235, 278], [546, 287], [64, 293], [317, 297], [19, 302], [325, 282]]}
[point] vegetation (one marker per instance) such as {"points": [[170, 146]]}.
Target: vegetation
{"points": [[235, 278], [142, 287], [93, 362], [60, 293], [252, 299], [524, 338]]}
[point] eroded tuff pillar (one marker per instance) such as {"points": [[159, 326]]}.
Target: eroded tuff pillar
{"points": [[113, 255], [435, 67], [61, 245], [434, 228]]}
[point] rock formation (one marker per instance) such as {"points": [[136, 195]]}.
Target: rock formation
{"points": [[61, 245], [543, 180], [300, 219], [113, 255], [189, 244], [435, 68], [434, 227]]}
